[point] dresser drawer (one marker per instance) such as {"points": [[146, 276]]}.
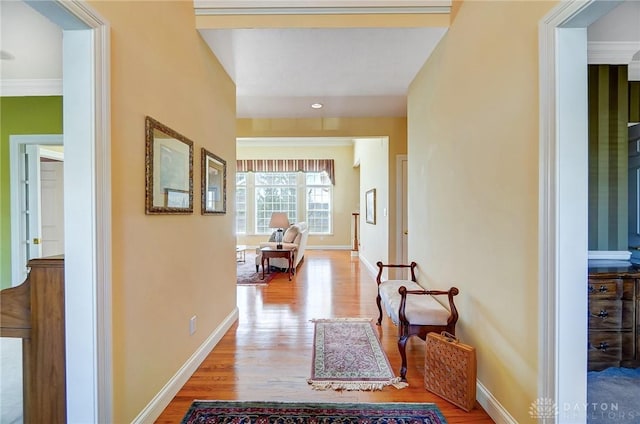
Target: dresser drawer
{"points": [[605, 346], [609, 288], [605, 314]]}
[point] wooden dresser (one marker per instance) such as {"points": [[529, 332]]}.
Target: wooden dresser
{"points": [[614, 316]]}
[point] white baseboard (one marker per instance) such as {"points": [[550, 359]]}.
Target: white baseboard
{"points": [[160, 401], [491, 405], [334, 247], [372, 268]]}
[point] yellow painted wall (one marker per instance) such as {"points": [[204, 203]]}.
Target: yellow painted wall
{"points": [[345, 191], [166, 268], [374, 175], [473, 187], [394, 128]]}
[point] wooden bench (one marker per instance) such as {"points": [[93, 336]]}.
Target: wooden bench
{"points": [[414, 310]]}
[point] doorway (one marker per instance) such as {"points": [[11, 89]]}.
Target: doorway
{"points": [[87, 210], [27, 212], [563, 220]]}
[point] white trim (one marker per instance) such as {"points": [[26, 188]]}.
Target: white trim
{"points": [[562, 248], [15, 141], [372, 268], [293, 141], [612, 52], [99, 240], [51, 154], [257, 4], [160, 401], [491, 405], [225, 11], [621, 255], [399, 208], [30, 87]]}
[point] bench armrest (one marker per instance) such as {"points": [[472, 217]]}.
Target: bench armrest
{"points": [[453, 311], [381, 266]]}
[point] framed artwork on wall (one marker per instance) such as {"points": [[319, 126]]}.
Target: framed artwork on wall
{"points": [[213, 183], [168, 169], [370, 206]]}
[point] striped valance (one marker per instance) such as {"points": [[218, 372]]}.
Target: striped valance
{"points": [[287, 165]]}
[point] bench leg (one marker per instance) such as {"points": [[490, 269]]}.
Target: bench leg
{"points": [[402, 344], [378, 299]]}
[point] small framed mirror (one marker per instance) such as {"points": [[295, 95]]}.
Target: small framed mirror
{"points": [[169, 170], [214, 183]]}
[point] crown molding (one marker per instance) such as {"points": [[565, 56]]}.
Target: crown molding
{"points": [[30, 87], [293, 141], [612, 52], [327, 7]]}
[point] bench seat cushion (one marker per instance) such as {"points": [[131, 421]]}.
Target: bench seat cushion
{"points": [[419, 310]]}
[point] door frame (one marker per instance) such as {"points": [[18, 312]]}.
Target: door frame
{"points": [[563, 182], [16, 145], [401, 207], [87, 216]]}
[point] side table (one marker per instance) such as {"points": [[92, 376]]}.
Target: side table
{"points": [[288, 253]]}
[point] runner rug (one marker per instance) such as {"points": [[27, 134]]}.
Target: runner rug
{"points": [[213, 411], [347, 355]]}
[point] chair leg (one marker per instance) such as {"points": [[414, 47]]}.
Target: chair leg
{"points": [[257, 268], [402, 344], [378, 299]]}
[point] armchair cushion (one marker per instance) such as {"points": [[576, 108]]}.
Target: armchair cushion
{"points": [[290, 234]]}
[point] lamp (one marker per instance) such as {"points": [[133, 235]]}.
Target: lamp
{"points": [[279, 220]]}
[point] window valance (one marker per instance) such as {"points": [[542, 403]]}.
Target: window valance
{"points": [[288, 165]]}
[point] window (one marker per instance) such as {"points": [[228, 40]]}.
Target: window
{"points": [[318, 189], [274, 192], [241, 203], [303, 196]]}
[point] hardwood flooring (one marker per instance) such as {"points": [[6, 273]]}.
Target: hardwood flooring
{"points": [[266, 355]]}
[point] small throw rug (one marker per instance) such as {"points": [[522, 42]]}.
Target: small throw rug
{"points": [[612, 396], [347, 355], [247, 274], [213, 411]]}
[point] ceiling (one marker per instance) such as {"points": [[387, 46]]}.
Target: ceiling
{"points": [[280, 72]]}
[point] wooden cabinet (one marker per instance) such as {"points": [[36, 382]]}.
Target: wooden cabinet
{"points": [[614, 317]]}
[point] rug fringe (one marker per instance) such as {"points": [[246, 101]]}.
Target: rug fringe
{"points": [[339, 319], [357, 385]]}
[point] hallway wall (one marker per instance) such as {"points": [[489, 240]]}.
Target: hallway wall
{"points": [[473, 188]]}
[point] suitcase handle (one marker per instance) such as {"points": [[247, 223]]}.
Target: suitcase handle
{"points": [[450, 337]]}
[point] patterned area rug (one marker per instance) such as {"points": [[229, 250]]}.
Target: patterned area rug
{"points": [[347, 355], [247, 274], [202, 412]]}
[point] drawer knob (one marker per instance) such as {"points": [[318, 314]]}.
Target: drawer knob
{"points": [[603, 314], [602, 289], [603, 346]]}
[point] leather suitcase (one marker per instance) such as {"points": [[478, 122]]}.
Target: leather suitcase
{"points": [[450, 369]]}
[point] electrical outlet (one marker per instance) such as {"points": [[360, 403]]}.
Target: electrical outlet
{"points": [[192, 325]]}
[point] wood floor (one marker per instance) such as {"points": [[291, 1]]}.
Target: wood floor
{"points": [[266, 355]]}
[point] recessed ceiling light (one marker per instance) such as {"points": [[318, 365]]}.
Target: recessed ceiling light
{"points": [[317, 105]]}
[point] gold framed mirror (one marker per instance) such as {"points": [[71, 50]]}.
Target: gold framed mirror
{"points": [[169, 170], [213, 183]]}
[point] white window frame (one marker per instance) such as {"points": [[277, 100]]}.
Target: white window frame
{"points": [[301, 203]]}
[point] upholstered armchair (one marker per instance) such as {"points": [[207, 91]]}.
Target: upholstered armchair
{"points": [[295, 236]]}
